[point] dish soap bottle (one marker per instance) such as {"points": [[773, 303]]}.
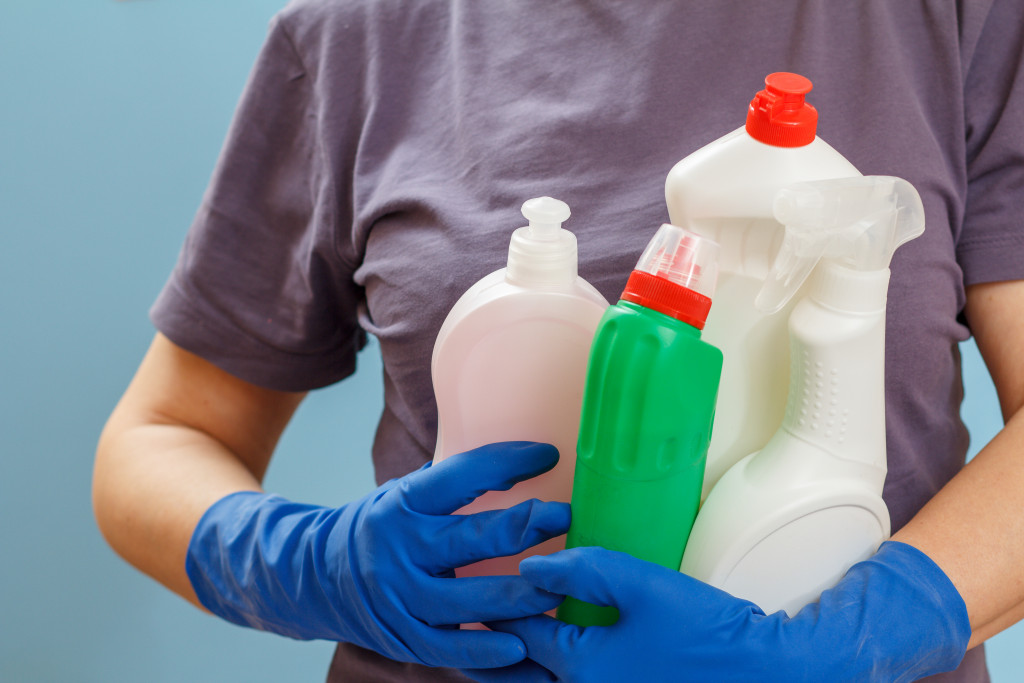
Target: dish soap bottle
{"points": [[647, 412], [509, 363], [787, 522], [724, 191]]}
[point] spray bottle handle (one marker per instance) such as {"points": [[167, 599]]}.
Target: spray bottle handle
{"points": [[793, 265], [858, 221]]}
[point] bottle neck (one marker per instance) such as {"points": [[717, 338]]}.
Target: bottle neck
{"points": [[661, 319], [541, 263], [852, 291]]}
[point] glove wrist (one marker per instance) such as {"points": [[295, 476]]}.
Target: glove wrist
{"points": [[243, 564], [895, 615]]}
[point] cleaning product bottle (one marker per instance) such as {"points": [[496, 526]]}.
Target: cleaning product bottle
{"points": [[647, 412], [787, 522], [509, 362], [724, 191]]}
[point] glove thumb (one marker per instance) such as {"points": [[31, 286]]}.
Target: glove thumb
{"points": [[595, 575]]}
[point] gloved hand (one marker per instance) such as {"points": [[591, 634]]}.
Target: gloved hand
{"points": [[378, 572], [893, 617]]}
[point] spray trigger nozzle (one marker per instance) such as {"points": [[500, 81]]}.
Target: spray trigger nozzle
{"points": [[858, 222], [546, 216]]}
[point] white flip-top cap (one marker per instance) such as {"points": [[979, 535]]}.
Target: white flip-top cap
{"points": [[543, 253]]}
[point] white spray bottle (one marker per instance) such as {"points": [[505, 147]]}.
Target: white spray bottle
{"points": [[787, 522], [724, 192], [510, 363]]}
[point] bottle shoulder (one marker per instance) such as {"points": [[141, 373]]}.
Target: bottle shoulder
{"points": [[737, 147], [496, 292], [737, 176], [628, 323], [495, 309]]}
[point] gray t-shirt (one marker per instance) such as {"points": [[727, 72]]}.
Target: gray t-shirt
{"points": [[381, 151]]}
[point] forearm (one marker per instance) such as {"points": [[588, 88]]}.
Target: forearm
{"points": [[184, 435], [151, 485], [973, 530]]}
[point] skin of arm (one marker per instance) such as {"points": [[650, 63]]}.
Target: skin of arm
{"points": [[973, 528], [184, 435]]}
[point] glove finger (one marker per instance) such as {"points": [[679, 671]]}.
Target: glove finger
{"points": [[481, 598], [468, 649], [596, 575], [498, 533], [452, 483], [526, 671], [549, 642], [613, 579]]}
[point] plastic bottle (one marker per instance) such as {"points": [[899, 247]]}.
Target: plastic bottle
{"points": [[647, 412], [724, 191], [509, 362], [787, 522]]}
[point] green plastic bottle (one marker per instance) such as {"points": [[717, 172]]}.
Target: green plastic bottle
{"points": [[648, 408]]}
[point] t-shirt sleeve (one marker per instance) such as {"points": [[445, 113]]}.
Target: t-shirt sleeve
{"points": [[262, 288], [991, 245]]}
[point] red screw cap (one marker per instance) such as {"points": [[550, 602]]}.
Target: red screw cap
{"points": [[779, 116], [665, 296]]}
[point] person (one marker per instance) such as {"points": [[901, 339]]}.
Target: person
{"points": [[373, 172]]}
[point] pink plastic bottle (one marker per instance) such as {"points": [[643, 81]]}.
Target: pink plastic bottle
{"points": [[510, 363]]}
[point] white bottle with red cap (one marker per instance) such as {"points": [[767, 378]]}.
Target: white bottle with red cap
{"points": [[510, 362], [725, 191]]}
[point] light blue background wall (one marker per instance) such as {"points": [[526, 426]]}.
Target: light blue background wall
{"points": [[111, 117]]}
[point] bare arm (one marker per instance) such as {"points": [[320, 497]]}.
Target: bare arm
{"points": [[974, 527], [184, 435]]}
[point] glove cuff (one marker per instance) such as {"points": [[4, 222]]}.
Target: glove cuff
{"points": [[246, 560], [896, 615], [949, 627]]}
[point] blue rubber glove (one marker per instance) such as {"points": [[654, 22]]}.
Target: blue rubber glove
{"points": [[893, 617], [378, 572]]}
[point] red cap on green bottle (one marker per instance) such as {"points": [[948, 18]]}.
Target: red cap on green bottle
{"points": [[676, 275]]}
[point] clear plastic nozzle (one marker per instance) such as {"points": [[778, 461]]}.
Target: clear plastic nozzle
{"points": [[682, 257], [858, 222], [676, 275]]}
